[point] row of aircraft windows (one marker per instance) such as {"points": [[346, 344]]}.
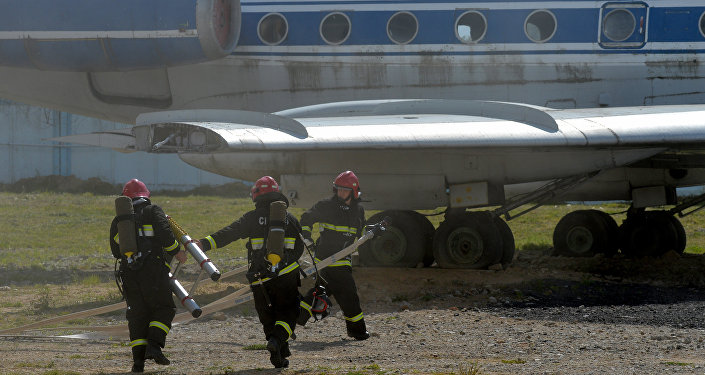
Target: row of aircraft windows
{"points": [[540, 26]]}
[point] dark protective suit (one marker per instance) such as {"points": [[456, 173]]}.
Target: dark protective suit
{"points": [[278, 289], [150, 307], [340, 225]]}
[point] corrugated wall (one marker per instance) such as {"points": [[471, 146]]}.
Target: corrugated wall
{"points": [[24, 152]]}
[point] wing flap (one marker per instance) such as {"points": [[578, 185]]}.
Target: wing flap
{"points": [[118, 140], [232, 118]]}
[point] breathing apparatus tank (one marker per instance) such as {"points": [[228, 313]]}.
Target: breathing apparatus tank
{"points": [[275, 237], [126, 226]]}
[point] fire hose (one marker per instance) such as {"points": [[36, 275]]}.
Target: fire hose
{"points": [[236, 298], [244, 294]]}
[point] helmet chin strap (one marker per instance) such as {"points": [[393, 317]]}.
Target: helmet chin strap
{"points": [[347, 200]]}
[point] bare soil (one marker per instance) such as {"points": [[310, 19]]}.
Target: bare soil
{"points": [[542, 315]]}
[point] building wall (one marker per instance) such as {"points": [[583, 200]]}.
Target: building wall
{"points": [[25, 152]]}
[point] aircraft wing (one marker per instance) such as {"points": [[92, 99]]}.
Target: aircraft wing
{"points": [[412, 124]]}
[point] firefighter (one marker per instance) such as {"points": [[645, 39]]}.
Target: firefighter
{"points": [[144, 276], [340, 219], [274, 286]]}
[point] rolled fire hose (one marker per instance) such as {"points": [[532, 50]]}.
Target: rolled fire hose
{"points": [[195, 251]]}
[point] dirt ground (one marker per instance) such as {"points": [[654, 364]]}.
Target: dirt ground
{"points": [[542, 315]]}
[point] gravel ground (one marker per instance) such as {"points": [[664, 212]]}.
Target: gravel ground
{"points": [[543, 315]]}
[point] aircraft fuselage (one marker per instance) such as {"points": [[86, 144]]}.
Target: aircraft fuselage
{"points": [[560, 54]]}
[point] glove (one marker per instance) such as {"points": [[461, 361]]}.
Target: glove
{"points": [[181, 256], [308, 242]]}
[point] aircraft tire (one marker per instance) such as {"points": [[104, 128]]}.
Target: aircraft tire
{"points": [[680, 233], [400, 245], [612, 245], [508, 245], [651, 233], [471, 240], [581, 233], [428, 230]]}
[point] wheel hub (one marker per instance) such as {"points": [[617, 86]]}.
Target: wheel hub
{"points": [[390, 248], [465, 245], [579, 240]]}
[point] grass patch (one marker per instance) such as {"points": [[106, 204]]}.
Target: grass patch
{"points": [[60, 372], [79, 322], [513, 361], [672, 363], [35, 365], [89, 281], [255, 347], [44, 302], [472, 368]]}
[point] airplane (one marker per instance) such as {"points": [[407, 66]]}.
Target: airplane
{"points": [[433, 104]]}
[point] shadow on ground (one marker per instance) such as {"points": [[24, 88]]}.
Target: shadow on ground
{"points": [[604, 303]]}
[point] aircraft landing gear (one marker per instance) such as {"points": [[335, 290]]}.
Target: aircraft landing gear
{"points": [[405, 243], [472, 240], [651, 233], [464, 240], [584, 233]]}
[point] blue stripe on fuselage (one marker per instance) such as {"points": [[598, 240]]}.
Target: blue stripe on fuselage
{"points": [[575, 25]]}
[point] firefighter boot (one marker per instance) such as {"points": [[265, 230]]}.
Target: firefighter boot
{"points": [[357, 330], [138, 358], [275, 355], [155, 352], [285, 350]]}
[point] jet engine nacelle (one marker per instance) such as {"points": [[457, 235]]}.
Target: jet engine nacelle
{"points": [[108, 35]]}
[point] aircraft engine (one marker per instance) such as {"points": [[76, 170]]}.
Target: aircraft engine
{"points": [[116, 36]]}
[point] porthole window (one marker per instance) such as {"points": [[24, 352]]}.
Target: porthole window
{"points": [[470, 27], [540, 26], [618, 25], [272, 29], [702, 24], [335, 28], [402, 27]]}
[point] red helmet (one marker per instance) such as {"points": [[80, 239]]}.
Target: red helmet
{"points": [[347, 180], [135, 189], [264, 185]]}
